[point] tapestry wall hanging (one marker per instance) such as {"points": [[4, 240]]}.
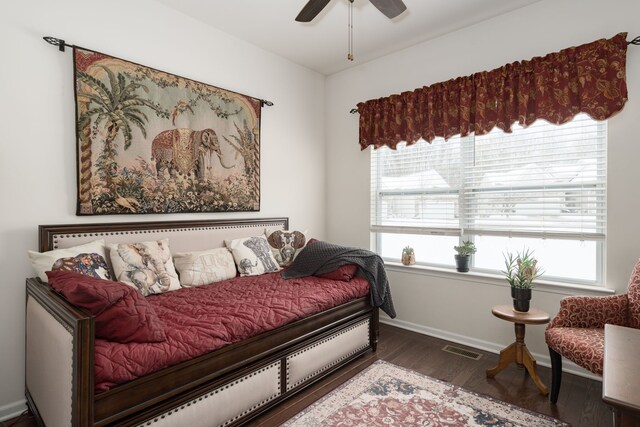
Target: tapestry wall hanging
{"points": [[153, 142]]}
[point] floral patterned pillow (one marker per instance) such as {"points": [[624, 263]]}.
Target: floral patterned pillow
{"points": [[204, 267], [88, 259], [146, 266], [252, 255]]}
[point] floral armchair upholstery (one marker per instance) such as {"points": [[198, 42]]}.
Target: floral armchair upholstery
{"points": [[577, 331]]}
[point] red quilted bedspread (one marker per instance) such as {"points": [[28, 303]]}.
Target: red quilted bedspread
{"points": [[201, 319]]}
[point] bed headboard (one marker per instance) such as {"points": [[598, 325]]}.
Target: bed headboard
{"points": [[183, 235]]}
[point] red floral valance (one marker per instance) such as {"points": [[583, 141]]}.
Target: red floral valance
{"points": [[590, 78]]}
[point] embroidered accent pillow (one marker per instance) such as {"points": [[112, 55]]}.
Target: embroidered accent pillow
{"points": [[286, 244], [145, 266], [252, 255], [204, 267], [121, 314], [88, 259]]}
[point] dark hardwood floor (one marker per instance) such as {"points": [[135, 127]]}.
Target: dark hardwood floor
{"points": [[580, 401]]}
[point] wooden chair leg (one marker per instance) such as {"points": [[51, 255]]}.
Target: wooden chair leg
{"points": [[556, 374]]}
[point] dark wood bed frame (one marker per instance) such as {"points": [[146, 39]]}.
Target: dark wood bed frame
{"points": [[152, 395]]}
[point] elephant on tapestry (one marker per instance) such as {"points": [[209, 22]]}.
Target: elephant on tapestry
{"points": [[261, 248], [185, 151]]}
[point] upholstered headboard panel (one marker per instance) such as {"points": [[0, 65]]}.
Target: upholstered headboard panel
{"points": [[183, 235]]}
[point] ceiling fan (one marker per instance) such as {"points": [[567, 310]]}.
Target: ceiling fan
{"points": [[391, 8]]}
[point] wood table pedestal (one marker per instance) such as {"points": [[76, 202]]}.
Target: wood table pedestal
{"points": [[518, 351]]}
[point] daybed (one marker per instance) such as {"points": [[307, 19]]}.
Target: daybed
{"points": [[227, 386]]}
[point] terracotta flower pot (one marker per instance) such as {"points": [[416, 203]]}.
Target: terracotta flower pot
{"points": [[408, 258]]}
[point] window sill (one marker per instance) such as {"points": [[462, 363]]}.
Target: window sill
{"points": [[496, 280]]}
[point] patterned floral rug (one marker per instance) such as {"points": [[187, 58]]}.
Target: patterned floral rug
{"points": [[388, 395]]}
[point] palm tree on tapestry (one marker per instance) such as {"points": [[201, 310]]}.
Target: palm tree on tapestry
{"points": [[245, 146], [118, 107]]}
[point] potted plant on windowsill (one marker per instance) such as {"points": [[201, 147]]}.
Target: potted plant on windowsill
{"points": [[521, 270], [408, 256], [463, 256]]}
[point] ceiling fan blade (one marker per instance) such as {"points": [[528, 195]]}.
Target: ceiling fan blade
{"points": [[391, 8], [311, 10]]}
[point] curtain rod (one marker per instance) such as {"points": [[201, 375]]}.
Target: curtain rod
{"points": [[62, 45], [635, 41]]}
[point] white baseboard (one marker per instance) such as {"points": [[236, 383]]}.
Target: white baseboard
{"points": [[12, 410], [541, 359]]}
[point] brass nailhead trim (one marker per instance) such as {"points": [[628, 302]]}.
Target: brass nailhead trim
{"points": [[161, 230], [55, 316], [226, 386], [325, 340]]}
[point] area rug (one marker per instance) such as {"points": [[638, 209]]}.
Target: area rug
{"points": [[388, 395]]}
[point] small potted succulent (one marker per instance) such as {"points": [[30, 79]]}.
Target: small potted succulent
{"points": [[520, 271], [408, 256], [465, 250]]}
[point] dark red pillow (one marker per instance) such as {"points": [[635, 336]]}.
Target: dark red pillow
{"points": [[344, 273], [121, 313]]}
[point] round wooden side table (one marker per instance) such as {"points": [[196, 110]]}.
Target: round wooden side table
{"points": [[518, 352]]}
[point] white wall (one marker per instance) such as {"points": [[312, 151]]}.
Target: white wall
{"points": [[37, 164], [455, 305]]}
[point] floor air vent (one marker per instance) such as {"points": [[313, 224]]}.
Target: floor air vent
{"points": [[462, 352]]}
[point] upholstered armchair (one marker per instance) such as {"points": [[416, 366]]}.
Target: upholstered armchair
{"points": [[577, 331]]}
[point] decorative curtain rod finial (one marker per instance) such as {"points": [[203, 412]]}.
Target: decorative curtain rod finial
{"points": [[57, 42], [264, 102], [635, 41], [353, 111]]}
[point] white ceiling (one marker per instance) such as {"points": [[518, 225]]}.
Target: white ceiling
{"points": [[322, 44]]}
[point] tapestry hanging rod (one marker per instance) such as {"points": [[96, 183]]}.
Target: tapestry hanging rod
{"points": [[62, 45], [635, 41]]}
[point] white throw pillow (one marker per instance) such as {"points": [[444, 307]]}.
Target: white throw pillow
{"points": [[204, 267], [252, 255], [88, 259], [145, 266], [286, 244]]}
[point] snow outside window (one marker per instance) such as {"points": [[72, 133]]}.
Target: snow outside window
{"points": [[541, 187]]}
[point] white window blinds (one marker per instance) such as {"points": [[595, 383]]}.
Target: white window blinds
{"points": [[540, 181], [416, 189]]}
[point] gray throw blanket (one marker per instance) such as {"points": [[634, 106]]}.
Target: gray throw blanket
{"points": [[322, 257]]}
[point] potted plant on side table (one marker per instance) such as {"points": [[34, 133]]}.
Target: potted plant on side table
{"points": [[463, 256], [521, 270]]}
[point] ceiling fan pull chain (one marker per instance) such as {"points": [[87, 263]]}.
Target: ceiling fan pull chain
{"points": [[390, 8], [350, 54]]}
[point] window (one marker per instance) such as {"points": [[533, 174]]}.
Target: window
{"points": [[541, 187]]}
